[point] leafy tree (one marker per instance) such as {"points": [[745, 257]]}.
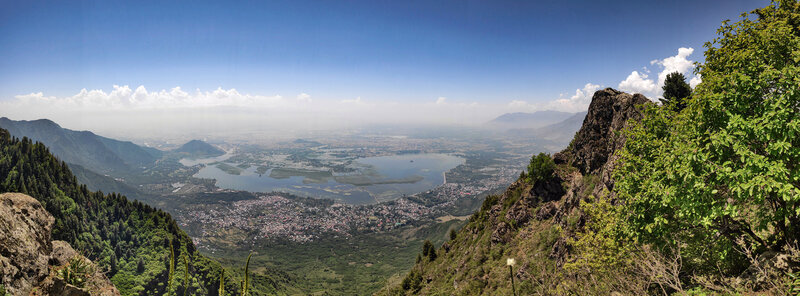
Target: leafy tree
{"points": [[676, 91], [541, 167], [725, 170]]}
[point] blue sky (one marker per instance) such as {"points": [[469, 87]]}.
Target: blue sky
{"points": [[478, 50], [399, 51]]}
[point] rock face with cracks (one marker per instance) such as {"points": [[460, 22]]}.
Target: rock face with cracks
{"points": [[29, 259], [25, 242]]}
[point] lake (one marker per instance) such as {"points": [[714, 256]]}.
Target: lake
{"points": [[379, 179]]}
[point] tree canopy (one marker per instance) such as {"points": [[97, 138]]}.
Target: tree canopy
{"points": [[725, 172], [676, 91]]}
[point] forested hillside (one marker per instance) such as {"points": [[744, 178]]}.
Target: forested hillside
{"points": [[129, 239], [84, 148], [699, 195]]}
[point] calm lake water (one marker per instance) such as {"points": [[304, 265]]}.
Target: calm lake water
{"points": [[385, 178]]}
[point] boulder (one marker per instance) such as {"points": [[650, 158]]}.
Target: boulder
{"points": [[29, 260], [25, 242]]}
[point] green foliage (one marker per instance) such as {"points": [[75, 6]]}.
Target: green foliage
{"points": [[600, 247], [171, 278], [453, 234], [186, 275], [222, 283], [140, 266], [412, 282], [246, 282], [428, 250], [724, 169], [676, 91], [76, 272], [792, 286], [2, 290], [541, 167]]}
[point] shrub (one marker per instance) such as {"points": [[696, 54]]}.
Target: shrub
{"points": [[413, 281], [540, 168], [76, 272]]}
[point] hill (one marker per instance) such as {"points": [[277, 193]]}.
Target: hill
{"points": [[84, 148], [521, 120], [197, 148], [129, 240]]}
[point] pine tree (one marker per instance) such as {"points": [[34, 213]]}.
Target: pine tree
{"points": [[676, 91]]}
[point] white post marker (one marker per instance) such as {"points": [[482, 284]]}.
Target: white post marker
{"points": [[510, 262]]}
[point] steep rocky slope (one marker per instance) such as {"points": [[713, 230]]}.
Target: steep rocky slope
{"points": [[30, 260], [532, 223]]}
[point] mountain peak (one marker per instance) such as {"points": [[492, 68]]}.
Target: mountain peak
{"points": [[597, 138], [521, 120], [199, 148]]}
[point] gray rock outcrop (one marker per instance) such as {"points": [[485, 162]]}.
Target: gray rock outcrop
{"points": [[29, 260], [24, 242]]}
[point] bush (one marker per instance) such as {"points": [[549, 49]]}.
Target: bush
{"points": [[540, 168], [413, 281]]}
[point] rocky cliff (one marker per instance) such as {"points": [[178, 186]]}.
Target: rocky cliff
{"points": [[532, 223], [30, 261]]}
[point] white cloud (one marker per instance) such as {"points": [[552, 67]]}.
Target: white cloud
{"points": [[575, 103], [695, 81], [678, 63], [140, 112], [518, 104], [127, 112], [304, 97], [352, 101], [638, 82]]}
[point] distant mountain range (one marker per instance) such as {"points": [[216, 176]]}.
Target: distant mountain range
{"points": [[197, 148], [520, 120], [559, 132], [84, 148]]}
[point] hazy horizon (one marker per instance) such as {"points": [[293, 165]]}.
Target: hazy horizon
{"points": [[135, 70]]}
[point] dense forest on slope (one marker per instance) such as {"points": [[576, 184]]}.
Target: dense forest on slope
{"points": [[84, 148], [700, 195], [129, 239]]}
